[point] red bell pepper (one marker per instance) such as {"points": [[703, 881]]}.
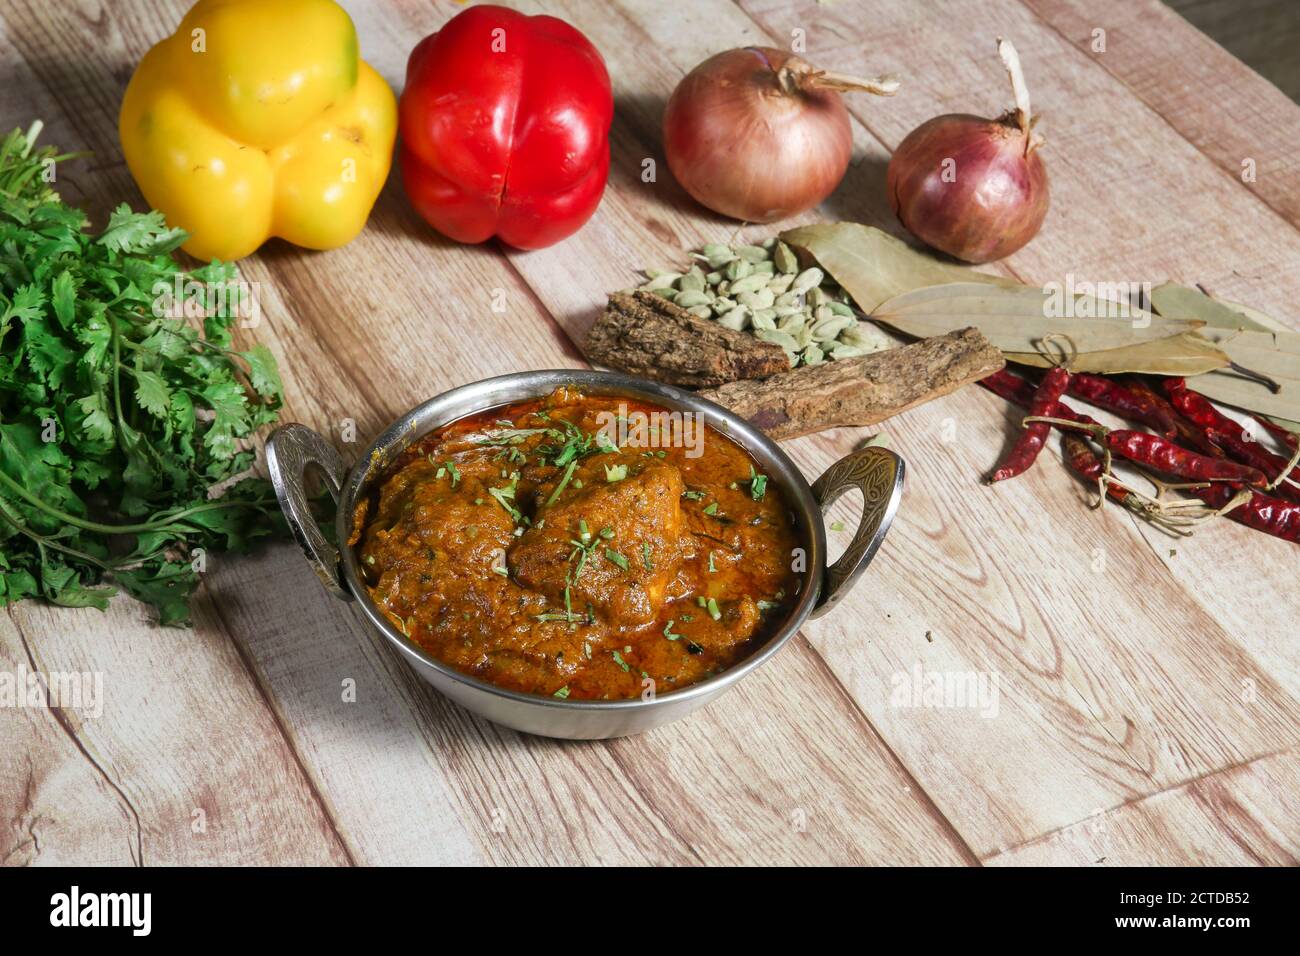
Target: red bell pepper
{"points": [[505, 128]]}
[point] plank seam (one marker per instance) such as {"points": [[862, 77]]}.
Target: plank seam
{"points": [[136, 850], [1223, 170], [1138, 800], [268, 700], [932, 808]]}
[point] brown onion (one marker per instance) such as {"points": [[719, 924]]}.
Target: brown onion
{"points": [[759, 134], [974, 188]]}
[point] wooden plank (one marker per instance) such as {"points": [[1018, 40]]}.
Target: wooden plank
{"points": [[186, 747], [1219, 104], [1086, 718], [1240, 816], [57, 805], [185, 741]]}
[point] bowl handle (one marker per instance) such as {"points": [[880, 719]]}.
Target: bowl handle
{"points": [[878, 474], [289, 451]]}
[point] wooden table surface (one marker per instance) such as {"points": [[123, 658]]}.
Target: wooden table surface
{"points": [[1148, 690]]}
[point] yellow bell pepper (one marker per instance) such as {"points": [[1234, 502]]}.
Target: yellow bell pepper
{"points": [[257, 118]]}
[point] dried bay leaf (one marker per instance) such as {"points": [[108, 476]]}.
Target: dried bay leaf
{"points": [[1251, 339], [1017, 318], [1186, 353], [1265, 321], [1184, 302], [873, 266], [1275, 354]]}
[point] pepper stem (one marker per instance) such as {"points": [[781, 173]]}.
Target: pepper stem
{"points": [[1096, 430], [1286, 472]]}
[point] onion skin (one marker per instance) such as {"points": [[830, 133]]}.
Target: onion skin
{"points": [[996, 200], [754, 143]]}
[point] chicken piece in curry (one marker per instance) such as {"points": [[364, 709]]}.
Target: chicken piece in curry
{"points": [[527, 547]]}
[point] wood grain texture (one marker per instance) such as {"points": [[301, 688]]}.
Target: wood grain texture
{"points": [[1240, 120], [1148, 683], [1238, 816]]}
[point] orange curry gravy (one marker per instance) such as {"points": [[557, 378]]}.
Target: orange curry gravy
{"points": [[523, 546]]}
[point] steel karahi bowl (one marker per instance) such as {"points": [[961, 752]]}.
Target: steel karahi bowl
{"points": [[876, 472]]}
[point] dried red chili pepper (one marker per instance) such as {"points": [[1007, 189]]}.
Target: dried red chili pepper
{"points": [[1124, 402], [1262, 512], [1046, 400], [1188, 434], [1020, 391], [1161, 454], [1085, 462], [1223, 431]]}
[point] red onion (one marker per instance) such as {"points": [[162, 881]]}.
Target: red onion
{"points": [[759, 134], [974, 188]]}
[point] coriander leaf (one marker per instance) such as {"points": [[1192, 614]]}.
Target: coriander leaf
{"points": [[95, 423], [64, 298], [116, 422], [151, 392], [263, 374]]}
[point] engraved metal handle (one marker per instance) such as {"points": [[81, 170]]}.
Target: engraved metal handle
{"points": [[878, 474], [289, 452]]}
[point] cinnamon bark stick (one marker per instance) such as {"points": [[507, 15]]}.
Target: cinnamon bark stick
{"points": [[860, 391], [644, 334]]}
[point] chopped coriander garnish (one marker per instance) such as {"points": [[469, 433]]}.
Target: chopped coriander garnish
{"points": [[562, 693], [645, 556], [618, 659], [505, 497], [837, 525], [568, 473], [615, 473], [712, 569], [692, 495], [714, 611], [668, 631], [455, 474], [711, 508], [617, 558], [607, 532], [757, 484]]}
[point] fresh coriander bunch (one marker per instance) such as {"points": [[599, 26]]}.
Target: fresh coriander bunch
{"points": [[122, 403]]}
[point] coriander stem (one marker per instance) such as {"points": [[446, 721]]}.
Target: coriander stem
{"points": [[43, 541], [85, 525]]}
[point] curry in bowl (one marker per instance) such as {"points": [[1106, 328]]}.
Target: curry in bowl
{"points": [[583, 547]]}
